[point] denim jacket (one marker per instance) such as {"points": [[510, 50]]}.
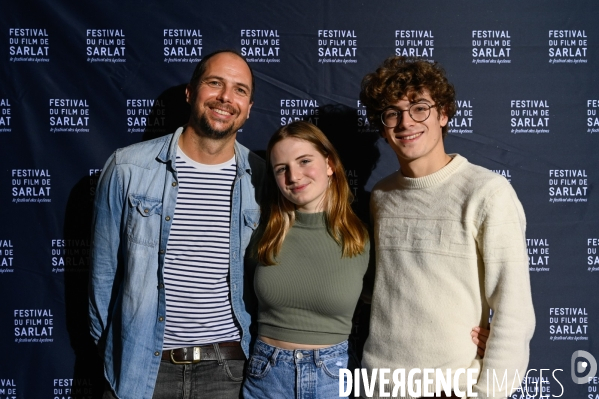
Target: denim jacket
{"points": [[134, 206]]}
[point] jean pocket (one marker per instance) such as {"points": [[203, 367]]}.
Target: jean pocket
{"points": [[258, 367], [234, 369], [143, 224], [332, 366], [251, 218]]}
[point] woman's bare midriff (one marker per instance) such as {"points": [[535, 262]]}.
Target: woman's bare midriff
{"points": [[290, 345]]}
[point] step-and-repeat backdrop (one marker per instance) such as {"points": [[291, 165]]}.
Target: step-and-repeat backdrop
{"points": [[79, 79]]}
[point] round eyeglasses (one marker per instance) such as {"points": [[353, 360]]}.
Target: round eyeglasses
{"points": [[419, 112]]}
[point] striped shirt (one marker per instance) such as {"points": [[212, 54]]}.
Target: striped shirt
{"points": [[196, 267]]}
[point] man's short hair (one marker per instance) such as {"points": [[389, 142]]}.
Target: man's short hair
{"points": [[398, 77], [201, 68]]}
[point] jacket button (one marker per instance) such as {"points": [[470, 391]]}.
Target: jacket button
{"points": [[161, 251], [174, 184], [161, 318], [156, 353], [146, 211], [167, 218]]}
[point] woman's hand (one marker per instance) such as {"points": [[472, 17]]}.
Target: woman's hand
{"points": [[479, 337]]}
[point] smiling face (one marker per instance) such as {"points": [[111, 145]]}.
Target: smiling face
{"points": [[418, 145], [221, 102], [301, 173]]}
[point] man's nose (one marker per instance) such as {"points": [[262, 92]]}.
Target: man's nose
{"points": [[225, 94], [406, 121]]}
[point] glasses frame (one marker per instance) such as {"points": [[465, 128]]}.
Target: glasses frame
{"points": [[409, 110]]}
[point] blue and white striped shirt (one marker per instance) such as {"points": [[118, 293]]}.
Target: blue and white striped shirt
{"points": [[196, 268]]}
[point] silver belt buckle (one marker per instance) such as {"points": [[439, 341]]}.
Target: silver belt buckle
{"points": [[196, 357]]}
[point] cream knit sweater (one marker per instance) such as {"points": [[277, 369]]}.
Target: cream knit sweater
{"points": [[450, 246]]}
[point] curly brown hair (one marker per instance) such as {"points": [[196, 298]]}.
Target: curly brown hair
{"points": [[398, 77]]}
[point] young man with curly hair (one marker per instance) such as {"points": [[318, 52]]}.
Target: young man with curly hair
{"points": [[450, 245]]}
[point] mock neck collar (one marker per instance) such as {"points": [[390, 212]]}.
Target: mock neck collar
{"points": [[434, 178], [310, 219]]}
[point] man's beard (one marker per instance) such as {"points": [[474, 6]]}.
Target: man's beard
{"points": [[203, 127]]}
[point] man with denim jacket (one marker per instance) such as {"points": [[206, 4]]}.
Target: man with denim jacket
{"points": [[141, 280]]}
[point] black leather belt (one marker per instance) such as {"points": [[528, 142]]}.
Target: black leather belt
{"points": [[196, 354]]}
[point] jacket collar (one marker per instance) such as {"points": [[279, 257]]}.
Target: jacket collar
{"points": [[168, 152]]}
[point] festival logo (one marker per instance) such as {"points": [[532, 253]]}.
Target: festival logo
{"points": [[415, 43], [33, 325], [529, 116], [491, 47], [299, 110], [593, 382], [6, 256], [354, 183], [182, 45], [504, 172], [31, 185], [592, 119], [69, 115], [568, 185], [94, 176], [337, 46], [146, 115], [105, 45], [70, 255], [73, 388], [8, 388], [538, 254], [568, 47], [461, 123], [569, 324], [592, 257], [5, 116], [364, 125], [537, 384], [260, 45], [28, 45]]}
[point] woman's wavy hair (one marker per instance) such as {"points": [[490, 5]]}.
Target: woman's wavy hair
{"points": [[398, 77], [342, 223]]}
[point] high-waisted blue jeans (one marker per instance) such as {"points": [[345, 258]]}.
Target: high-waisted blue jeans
{"points": [[301, 374]]}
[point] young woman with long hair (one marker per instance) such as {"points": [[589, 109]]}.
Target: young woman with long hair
{"points": [[311, 258]]}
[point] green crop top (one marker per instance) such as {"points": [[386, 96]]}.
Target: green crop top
{"points": [[310, 295]]}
